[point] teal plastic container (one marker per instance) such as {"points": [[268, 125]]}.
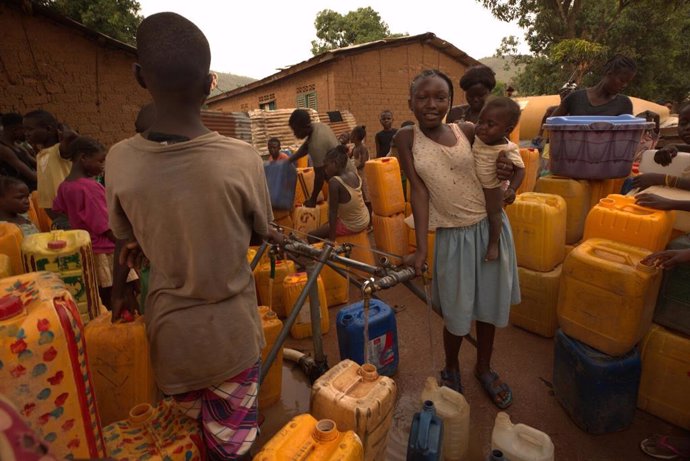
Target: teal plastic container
{"points": [[426, 435]]}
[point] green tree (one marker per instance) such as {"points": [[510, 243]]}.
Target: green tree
{"points": [[334, 30], [570, 39], [116, 18]]}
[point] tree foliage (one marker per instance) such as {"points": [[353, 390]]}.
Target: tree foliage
{"points": [[335, 30], [116, 18], [573, 38]]}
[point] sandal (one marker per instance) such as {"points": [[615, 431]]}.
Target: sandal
{"points": [[451, 379], [488, 381], [664, 447]]}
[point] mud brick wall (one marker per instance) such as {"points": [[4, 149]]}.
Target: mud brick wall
{"points": [[83, 79]]}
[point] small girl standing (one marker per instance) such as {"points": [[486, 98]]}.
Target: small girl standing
{"points": [[14, 204], [360, 155], [447, 196], [82, 200], [347, 212]]}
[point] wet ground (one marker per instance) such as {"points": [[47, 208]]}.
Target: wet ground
{"points": [[523, 359]]}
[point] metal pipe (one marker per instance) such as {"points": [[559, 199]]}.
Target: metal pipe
{"points": [[315, 304], [257, 257]]}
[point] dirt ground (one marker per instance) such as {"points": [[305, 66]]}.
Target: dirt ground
{"points": [[523, 359]]}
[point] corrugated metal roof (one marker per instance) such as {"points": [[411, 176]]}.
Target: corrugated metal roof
{"points": [[427, 38]]}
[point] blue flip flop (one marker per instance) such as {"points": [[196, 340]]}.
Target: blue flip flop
{"points": [[488, 381], [452, 380]]}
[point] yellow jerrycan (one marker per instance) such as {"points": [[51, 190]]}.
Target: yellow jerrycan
{"points": [[270, 390]]}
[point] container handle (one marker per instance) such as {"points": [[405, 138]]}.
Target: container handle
{"points": [[530, 435], [621, 254], [424, 423], [600, 126]]}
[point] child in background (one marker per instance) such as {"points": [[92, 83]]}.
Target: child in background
{"points": [[82, 199], [384, 137], [496, 121], [347, 212], [360, 155], [14, 204], [274, 151], [447, 197]]}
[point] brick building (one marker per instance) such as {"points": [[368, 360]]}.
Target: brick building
{"points": [[363, 79], [54, 63]]}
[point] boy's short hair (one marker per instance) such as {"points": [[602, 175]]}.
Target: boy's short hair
{"points": [[8, 182], [478, 74], [299, 117], [11, 119], [43, 117], [83, 145], [274, 139], [386, 111], [511, 108], [174, 50], [619, 63], [339, 155], [360, 131]]}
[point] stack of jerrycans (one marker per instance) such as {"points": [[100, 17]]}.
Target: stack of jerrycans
{"points": [[538, 222], [388, 205], [606, 303]]}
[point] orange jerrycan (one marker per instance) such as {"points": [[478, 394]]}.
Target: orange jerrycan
{"points": [[385, 187], [44, 221], [361, 248], [283, 218], [11, 238], [530, 157], [538, 222], [666, 376], [284, 267], [292, 287], [5, 266], [306, 439], [45, 371], [270, 390], [607, 297], [390, 235], [577, 198], [603, 188], [305, 220], [357, 399], [68, 254], [120, 366], [537, 310], [618, 218], [337, 287], [430, 245], [160, 433], [305, 185]]}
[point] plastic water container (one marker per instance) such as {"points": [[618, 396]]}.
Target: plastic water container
{"points": [[603, 188], [666, 376], [673, 305], [426, 435], [11, 245], [337, 287], [281, 178], [454, 410], [45, 371], [306, 439], [68, 254], [682, 222], [383, 335], [357, 399], [680, 165], [385, 186], [284, 267], [361, 248], [271, 387], [598, 391], [307, 176], [390, 235], [607, 297], [292, 287], [305, 219], [530, 157], [322, 207], [618, 218], [5, 266], [120, 366], [160, 433], [520, 442], [577, 198], [594, 147], [539, 293], [538, 222], [44, 221]]}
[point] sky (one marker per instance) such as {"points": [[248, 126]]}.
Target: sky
{"points": [[254, 38]]}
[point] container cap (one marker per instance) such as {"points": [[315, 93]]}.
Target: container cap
{"points": [[140, 413], [645, 268], [368, 372], [57, 244], [325, 430], [10, 306]]}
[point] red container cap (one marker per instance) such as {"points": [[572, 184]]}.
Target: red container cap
{"points": [[10, 306], [57, 244]]}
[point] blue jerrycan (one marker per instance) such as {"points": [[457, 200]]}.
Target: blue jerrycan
{"points": [[426, 435]]}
